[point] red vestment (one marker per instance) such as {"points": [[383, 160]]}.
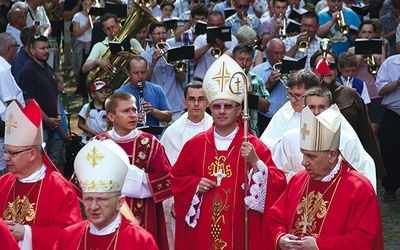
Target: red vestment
{"points": [[51, 206], [221, 220], [7, 240], [130, 236], [146, 152], [341, 214]]}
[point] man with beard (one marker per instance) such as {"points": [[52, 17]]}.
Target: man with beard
{"points": [[37, 81]]}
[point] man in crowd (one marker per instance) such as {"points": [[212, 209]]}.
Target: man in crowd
{"points": [[9, 90], [151, 173], [325, 205], [351, 106], [271, 77], [202, 53], [36, 201], [308, 30], [387, 83], [113, 229], [37, 16], [390, 22], [271, 26], [23, 55], [207, 186], [194, 121], [150, 98], [288, 156], [243, 55], [111, 27], [38, 82], [17, 20], [241, 17], [328, 21], [162, 74]]}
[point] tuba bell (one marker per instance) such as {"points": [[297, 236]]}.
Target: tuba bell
{"points": [[133, 24], [304, 44], [216, 52], [284, 77], [372, 66], [179, 66]]}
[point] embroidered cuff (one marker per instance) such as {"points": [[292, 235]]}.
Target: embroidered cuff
{"points": [[257, 188]]}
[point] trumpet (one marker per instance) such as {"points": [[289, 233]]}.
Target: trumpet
{"points": [[258, 44], [282, 29], [372, 66], [304, 44], [344, 28], [284, 78], [179, 66], [141, 101], [348, 84], [216, 52]]}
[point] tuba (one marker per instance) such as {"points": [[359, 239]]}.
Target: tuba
{"points": [[372, 66], [136, 20], [284, 77], [179, 66]]}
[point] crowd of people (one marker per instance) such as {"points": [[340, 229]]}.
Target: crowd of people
{"points": [[272, 134]]}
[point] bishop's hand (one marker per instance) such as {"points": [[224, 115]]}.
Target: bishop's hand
{"points": [[289, 242]]}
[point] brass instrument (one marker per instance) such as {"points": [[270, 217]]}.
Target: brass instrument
{"points": [[141, 101], [348, 84], [304, 44], [258, 44], [282, 29], [344, 28], [179, 66], [284, 78], [133, 24], [372, 66], [216, 52]]}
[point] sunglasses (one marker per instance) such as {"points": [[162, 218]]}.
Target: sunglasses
{"points": [[242, 6]]}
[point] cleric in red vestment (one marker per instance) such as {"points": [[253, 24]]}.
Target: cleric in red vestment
{"points": [[329, 205], [208, 176], [106, 227], [36, 201]]}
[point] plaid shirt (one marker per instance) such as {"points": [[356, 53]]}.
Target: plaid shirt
{"points": [[235, 22], [314, 46], [259, 89]]}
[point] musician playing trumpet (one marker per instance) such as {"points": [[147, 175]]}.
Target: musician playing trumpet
{"points": [[328, 21], [305, 43], [242, 17], [111, 26], [162, 74], [272, 27]]}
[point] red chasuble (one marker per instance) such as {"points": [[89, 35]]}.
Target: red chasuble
{"points": [[48, 206], [221, 221], [341, 214], [7, 241], [146, 152], [127, 236]]}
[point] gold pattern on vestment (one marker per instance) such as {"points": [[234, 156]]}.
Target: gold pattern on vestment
{"points": [[94, 157], [220, 204], [98, 185], [10, 124], [222, 77], [20, 210], [218, 164]]}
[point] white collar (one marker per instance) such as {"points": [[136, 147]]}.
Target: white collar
{"points": [[223, 142], [108, 229], [129, 136], [330, 176], [37, 176]]}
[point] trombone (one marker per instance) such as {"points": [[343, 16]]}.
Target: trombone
{"points": [[179, 66], [284, 78]]}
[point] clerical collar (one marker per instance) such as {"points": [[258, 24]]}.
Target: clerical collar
{"points": [[189, 123], [111, 228], [129, 136], [37, 176], [335, 170], [223, 142]]}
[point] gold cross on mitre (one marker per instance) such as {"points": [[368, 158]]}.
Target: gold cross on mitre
{"points": [[222, 76], [10, 124], [304, 131], [94, 157]]}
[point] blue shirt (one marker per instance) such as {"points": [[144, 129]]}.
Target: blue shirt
{"points": [[153, 94], [277, 96], [235, 22], [18, 63]]}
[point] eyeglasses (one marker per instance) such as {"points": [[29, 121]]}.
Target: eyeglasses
{"points": [[87, 201], [194, 100], [159, 34], [12, 154], [242, 6], [296, 97], [225, 106], [15, 45]]}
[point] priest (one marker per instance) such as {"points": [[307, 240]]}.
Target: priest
{"points": [[36, 201], [328, 205], [106, 227], [208, 176]]}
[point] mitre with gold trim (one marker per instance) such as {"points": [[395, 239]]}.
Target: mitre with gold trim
{"points": [[321, 132], [23, 127], [101, 166], [224, 79]]}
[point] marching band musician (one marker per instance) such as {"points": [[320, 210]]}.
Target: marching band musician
{"points": [[162, 74], [273, 25], [241, 17]]}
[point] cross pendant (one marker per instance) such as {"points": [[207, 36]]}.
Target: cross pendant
{"points": [[219, 176], [305, 223]]}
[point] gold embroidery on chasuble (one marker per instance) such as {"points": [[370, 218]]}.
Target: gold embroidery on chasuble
{"points": [[218, 164], [219, 205], [20, 210]]}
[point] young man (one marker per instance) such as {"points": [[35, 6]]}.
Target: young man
{"points": [[152, 171], [194, 121], [325, 205], [36, 201], [241, 17], [271, 26], [209, 200], [102, 202]]}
